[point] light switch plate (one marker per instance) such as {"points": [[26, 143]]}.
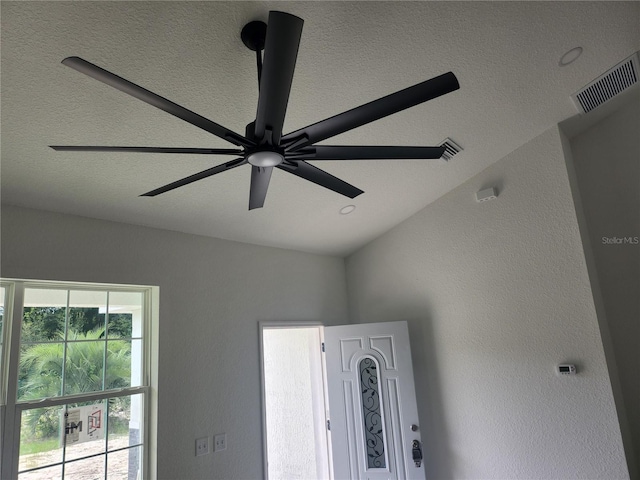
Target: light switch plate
{"points": [[202, 446], [220, 442]]}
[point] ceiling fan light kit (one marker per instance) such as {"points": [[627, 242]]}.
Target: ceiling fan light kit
{"points": [[263, 146]]}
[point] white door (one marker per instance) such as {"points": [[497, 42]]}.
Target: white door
{"points": [[372, 402]]}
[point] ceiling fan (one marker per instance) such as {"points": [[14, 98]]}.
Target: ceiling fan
{"points": [[263, 145]]}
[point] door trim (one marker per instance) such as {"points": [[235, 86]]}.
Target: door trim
{"points": [[262, 325]]}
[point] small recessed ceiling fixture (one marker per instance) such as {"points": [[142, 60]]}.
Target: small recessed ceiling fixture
{"points": [[347, 210], [570, 57]]}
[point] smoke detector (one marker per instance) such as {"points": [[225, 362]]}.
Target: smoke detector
{"points": [[486, 195], [608, 85]]}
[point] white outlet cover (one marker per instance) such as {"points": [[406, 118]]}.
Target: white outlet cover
{"points": [[202, 446], [220, 442]]}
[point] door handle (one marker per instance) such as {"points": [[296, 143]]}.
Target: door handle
{"points": [[416, 451]]}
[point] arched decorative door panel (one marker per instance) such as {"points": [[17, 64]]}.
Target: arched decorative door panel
{"points": [[372, 403]]}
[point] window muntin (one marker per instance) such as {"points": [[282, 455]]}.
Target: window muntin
{"points": [[53, 436], [45, 473], [77, 341]]}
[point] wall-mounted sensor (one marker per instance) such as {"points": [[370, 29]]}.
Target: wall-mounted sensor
{"points": [[567, 369], [486, 194]]}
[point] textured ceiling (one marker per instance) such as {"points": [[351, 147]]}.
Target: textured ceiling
{"points": [[505, 56]]}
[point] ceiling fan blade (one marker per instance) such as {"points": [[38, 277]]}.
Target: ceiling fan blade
{"points": [[201, 151], [260, 177], [151, 98], [372, 111], [280, 53], [195, 177], [320, 177], [339, 152]]}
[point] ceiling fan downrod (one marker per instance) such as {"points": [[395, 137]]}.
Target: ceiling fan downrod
{"points": [[254, 35]]}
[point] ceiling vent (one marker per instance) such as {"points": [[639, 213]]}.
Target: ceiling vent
{"points": [[451, 148], [608, 85]]}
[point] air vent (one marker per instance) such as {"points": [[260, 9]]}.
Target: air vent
{"points": [[451, 148], [607, 86]]}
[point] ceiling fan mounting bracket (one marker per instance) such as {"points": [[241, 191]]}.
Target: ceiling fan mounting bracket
{"points": [[253, 35], [296, 143]]}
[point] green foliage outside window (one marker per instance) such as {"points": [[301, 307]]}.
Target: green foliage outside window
{"points": [[42, 363], [41, 366], [47, 323]]}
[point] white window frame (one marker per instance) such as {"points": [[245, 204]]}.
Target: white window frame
{"points": [[11, 409]]}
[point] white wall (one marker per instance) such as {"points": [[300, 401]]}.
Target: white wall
{"points": [[606, 161], [496, 296], [212, 295]]}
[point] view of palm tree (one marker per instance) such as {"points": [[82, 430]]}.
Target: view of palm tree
{"points": [[67, 351], [41, 365]]}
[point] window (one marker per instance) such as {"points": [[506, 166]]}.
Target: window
{"points": [[76, 381], [371, 413], [3, 305], [3, 301]]}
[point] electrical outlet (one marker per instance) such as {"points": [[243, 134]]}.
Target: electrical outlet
{"points": [[202, 446], [220, 442]]}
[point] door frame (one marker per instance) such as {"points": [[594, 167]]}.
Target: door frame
{"points": [[262, 325]]}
